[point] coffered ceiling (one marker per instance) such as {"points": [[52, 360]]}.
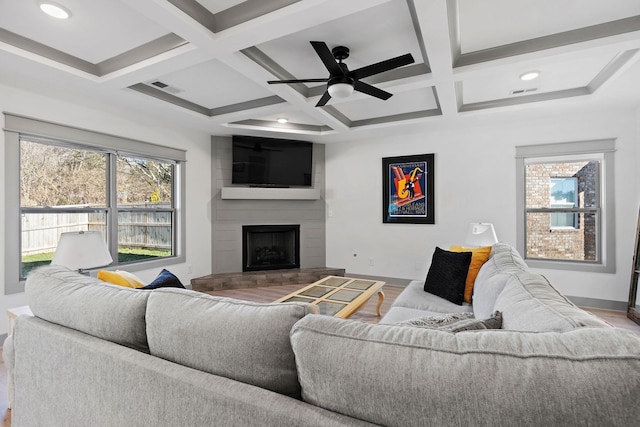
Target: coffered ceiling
{"points": [[206, 63]]}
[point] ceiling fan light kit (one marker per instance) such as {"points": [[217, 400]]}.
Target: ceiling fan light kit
{"points": [[340, 90], [341, 82]]}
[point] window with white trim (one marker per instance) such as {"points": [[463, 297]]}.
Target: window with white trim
{"points": [[565, 205], [69, 179]]}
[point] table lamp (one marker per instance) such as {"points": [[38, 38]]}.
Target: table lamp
{"points": [[82, 250], [480, 234]]}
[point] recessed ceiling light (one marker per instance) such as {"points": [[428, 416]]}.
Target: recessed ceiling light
{"points": [[54, 10], [281, 120], [529, 75]]}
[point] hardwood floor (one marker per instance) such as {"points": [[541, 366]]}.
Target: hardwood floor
{"points": [[618, 319], [366, 314]]}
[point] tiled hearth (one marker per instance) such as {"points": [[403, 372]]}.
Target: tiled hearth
{"points": [[254, 279]]}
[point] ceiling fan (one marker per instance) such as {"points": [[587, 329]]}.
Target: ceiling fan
{"points": [[341, 82]]}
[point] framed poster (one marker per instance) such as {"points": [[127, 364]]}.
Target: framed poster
{"points": [[408, 189]]}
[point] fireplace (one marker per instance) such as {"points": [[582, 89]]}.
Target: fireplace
{"points": [[270, 247]]}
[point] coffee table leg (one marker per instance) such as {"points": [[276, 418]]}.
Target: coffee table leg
{"points": [[380, 299]]}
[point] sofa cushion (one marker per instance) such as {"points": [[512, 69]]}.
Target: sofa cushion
{"points": [[414, 296], [486, 292], [414, 302], [493, 276], [448, 274], [241, 340], [496, 377], [529, 303], [505, 259], [478, 257], [89, 305]]}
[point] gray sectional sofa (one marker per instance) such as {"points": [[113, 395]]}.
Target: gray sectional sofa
{"points": [[102, 355]]}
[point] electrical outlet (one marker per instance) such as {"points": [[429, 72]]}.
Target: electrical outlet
{"points": [[371, 262]]}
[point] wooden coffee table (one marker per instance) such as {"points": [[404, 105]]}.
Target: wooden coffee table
{"points": [[338, 296]]}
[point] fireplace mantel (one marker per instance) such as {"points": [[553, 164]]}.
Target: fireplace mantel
{"points": [[261, 193]]}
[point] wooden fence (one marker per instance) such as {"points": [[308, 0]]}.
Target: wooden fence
{"points": [[40, 232], [149, 230]]}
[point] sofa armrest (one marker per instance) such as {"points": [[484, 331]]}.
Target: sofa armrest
{"points": [[9, 359]]}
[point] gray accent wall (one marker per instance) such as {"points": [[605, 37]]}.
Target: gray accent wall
{"points": [[228, 216]]}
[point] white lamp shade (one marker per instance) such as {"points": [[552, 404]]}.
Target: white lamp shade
{"points": [[480, 234], [340, 90], [81, 250]]}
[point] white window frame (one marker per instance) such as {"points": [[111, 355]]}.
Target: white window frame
{"points": [[605, 228], [80, 138]]}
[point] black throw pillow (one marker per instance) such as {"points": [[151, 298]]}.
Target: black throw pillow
{"points": [[447, 275], [165, 279]]}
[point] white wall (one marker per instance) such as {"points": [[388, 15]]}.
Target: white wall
{"points": [[84, 113], [475, 181]]}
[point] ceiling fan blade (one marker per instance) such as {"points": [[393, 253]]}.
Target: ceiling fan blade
{"points": [[371, 90], [381, 67], [327, 58], [325, 98], [271, 82]]}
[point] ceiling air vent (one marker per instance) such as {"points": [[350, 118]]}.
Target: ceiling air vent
{"points": [[159, 84], [165, 87], [521, 91]]}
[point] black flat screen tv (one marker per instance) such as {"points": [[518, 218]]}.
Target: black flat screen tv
{"points": [[271, 162]]}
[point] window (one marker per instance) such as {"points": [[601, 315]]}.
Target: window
{"points": [[69, 179], [563, 195], [565, 205], [62, 189], [145, 208]]}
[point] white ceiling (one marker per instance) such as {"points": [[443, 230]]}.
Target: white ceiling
{"points": [[217, 55]]}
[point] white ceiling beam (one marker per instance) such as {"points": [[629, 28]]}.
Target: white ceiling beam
{"points": [[434, 23]]}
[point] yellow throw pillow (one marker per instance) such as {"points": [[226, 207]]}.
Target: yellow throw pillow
{"points": [[135, 281], [121, 278], [478, 257]]}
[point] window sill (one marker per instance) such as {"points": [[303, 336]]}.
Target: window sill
{"points": [[151, 264]]}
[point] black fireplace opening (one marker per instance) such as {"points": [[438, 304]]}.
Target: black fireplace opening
{"points": [[270, 247]]}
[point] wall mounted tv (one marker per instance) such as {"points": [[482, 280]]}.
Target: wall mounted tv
{"points": [[271, 162]]}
